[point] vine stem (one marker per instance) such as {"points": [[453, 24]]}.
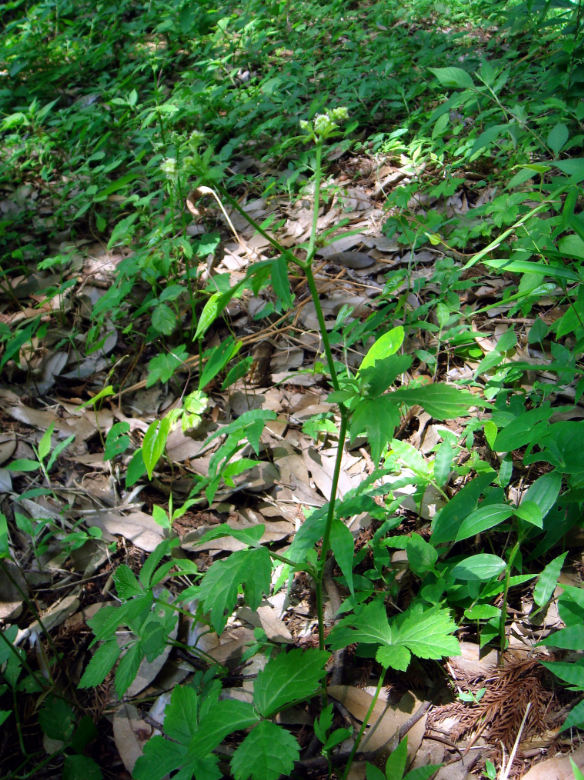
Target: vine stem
{"points": [[364, 724]]}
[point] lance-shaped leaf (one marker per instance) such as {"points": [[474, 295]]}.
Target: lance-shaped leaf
{"points": [[444, 402]]}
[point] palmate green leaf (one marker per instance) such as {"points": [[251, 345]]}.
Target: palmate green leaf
{"points": [[482, 519], [443, 402], [267, 752], [287, 678], [218, 591], [548, 580], [424, 632]]}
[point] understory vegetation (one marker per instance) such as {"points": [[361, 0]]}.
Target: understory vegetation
{"points": [[291, 342]]}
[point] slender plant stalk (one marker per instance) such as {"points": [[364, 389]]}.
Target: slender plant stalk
{"points": [[364, 724], [502, 636], [42, 683]]}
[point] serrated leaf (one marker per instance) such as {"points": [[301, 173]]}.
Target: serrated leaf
{"points": [[443, 402], [267, 752], [453, 78], [128, 669], [161, 757], [56, 719], [482, 519], [163, 319], [181, 713], [479, 567], [218, 721], [422, 556], [287, 678], [218, 590], [101, 664], [425, 633], [393, 657], [163, 366], [548, 580], [126, 583]]}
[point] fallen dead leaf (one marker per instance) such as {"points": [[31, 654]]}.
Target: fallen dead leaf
{"points": [[557, 768], [131, 733]]}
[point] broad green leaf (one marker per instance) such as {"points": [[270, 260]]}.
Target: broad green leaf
{"points": [[343, 547], [482, 612], [423, 772], [482, 519], [574, 168], [570, 638], [487, 137], [557, 137], [159, 516], [522, 429], [136, 468], [479, 567], [374, 773], [211, 311], [575, 718], [453, 78], [397, 760], [250, 536], [572, 246], [378, 418], [4, 546], [122, 231], [81, 768], [422, 556], [56, 719], [237, 372], [218, 358], [126, 583], [163, 366], [449, 519], [530, 512], [572, 673], [374, 380], [117, 185], [117, 440], [218, 590], [267, 753], [23, 464], [444, 402], [443, 463], [163, 319], [545, 491], [280, 282], [107, 391], [154, 443], [548, 580], [45, 442], [386, 345], [287, 678]]}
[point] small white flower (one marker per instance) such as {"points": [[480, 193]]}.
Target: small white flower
{"points": [[169, 168]]}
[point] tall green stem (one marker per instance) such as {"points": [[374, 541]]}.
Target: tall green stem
{"points": [[502, 636], [364, 724], [317, 180]]}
